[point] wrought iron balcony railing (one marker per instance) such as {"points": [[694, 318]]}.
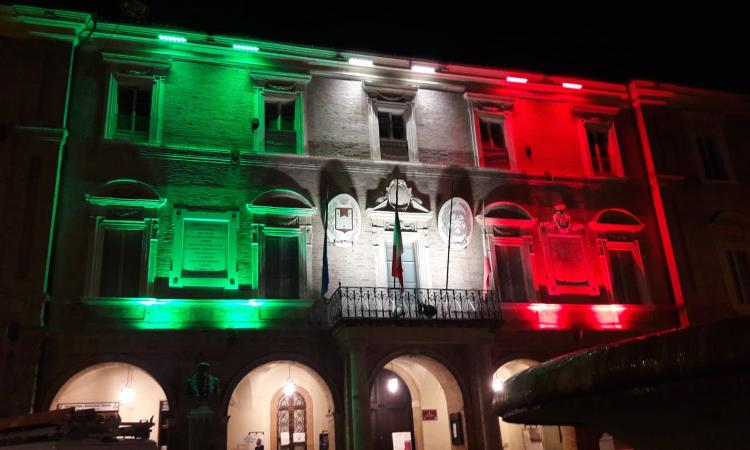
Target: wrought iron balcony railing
{"points": [[394, 149], [281, 141], [371, 303]]}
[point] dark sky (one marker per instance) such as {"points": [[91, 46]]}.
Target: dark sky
{"points": [[707, 46]]}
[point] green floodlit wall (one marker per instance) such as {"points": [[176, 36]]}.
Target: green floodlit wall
{"points": [[208, 106], [178, 314]]}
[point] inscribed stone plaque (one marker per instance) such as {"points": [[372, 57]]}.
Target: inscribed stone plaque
{"points": [[205, 246]]}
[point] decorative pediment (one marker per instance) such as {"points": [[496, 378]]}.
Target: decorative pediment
{"points": [[125, 193], [390, 92], [490, 104], [281, 202], [411, 211], [594, 112], [137, 65], [505, 214], [616, 220], [280, 81]]}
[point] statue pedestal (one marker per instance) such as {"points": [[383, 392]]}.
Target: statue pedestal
{"points": [[200, 428]]}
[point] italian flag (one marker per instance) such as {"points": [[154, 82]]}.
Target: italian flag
{"points": [[397, 270]]}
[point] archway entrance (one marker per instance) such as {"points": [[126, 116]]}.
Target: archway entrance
{"points": [[529, 437], [118, 388], [284, 404], [390, 411], [416, 398]]}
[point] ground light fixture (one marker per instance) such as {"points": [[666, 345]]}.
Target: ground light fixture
{"points": [[289, 386], [518, 80], [572, 85]]}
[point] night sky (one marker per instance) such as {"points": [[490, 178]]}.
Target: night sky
{"points": [[708, 46]]}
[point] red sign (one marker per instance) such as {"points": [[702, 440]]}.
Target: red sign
{"points": [[429, 414]]}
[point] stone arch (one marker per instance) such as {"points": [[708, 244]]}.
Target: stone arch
{"points": [[249, 399], [433, 385], [135, 392], [515, 437]]}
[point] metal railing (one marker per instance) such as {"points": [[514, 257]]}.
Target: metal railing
{"points": [[372, 303], [394, 149], [281, 141]]}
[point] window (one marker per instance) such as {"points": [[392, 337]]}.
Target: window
{"points": [[491, 118], [280, 112], [281, 274], [121, 261], [626, 277], [281, 130], [512, 267], [598, 139], [135, 97], [494, 150], [133, 112], [282, 243], [409, 264], [738, 262], [601, 145], [711, 158], [393, 131]]}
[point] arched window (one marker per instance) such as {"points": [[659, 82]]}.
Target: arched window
{"points": [[282, 242], [123, 247], [508, 255], [617, 234]]}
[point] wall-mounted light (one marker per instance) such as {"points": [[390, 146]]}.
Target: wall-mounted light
{"points": [[572, 85], [421, 68], [289, 386], [392, 385], [497, 385], [247, 48], [168, 38], [127, 393], [518, 80], [363, 62]]}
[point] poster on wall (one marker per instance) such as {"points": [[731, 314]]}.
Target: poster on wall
{"points": [[401, 440], [255, 440]]}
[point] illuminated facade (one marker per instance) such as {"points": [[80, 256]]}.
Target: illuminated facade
{"points": [[195, 175]]}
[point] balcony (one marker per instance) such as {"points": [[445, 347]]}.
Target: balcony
{"points": [[281, 141], [394, 149], [370, 304]]}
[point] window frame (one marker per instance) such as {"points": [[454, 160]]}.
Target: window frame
{"points": [[156, 84], [421, 257], [404, 109], [300, 233], [731, 232], [709, 127], [269, 95], [527, 261], [613, 149], [493, 109], [148, 227], [634, 249]]}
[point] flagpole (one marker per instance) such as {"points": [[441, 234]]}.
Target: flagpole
{"points": [[450, 231], [324, 279]]}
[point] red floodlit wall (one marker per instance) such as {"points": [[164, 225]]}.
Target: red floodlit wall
{"points": [[550, 131]]}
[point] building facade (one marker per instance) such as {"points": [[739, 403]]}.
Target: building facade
{"points": [[207, 198]]}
